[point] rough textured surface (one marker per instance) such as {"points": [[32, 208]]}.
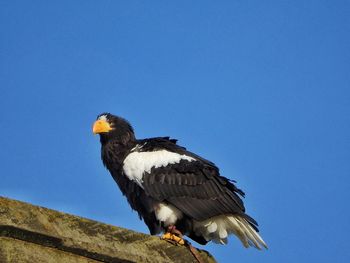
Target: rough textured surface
{"points": [[35, 234], [14, 250]]}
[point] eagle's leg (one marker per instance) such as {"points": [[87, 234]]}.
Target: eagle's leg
{"points": [[173, 236]]}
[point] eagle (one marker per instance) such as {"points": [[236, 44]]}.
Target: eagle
{"points": [[175, 192]]}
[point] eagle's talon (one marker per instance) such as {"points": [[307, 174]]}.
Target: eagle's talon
{"points": [[174, 239], [172, 229]]}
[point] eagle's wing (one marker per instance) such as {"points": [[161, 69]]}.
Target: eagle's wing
{"points": [[192, 184]]}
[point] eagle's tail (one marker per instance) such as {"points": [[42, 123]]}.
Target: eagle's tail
{"points": [[245, 232], [218, 228]]}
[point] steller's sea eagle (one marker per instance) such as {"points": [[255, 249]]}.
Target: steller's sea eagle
{"points": [[173, 190]]}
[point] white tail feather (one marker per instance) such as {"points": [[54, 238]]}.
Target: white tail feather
{"points": [[218, 228]]}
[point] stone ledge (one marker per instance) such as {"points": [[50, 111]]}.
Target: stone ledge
{"points": [[31, 233]]}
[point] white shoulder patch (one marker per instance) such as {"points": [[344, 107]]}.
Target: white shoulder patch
{"points": [[138, 163]]}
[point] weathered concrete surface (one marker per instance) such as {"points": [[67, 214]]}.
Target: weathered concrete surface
{"points": [[36, 234], [14, 250]]}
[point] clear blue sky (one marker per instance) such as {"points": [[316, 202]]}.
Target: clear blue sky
{"points": [[261, 88]]}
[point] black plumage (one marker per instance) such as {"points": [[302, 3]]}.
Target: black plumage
{"points": [[193, 185]]}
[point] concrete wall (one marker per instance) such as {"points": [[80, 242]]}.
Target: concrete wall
{"points": [[35, 234]]}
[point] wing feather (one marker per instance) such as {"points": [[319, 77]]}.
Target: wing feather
{"points": [[195, 187], [196, 194]]}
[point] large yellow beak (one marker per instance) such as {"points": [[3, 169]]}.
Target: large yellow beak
{"points": [[101, 126]]}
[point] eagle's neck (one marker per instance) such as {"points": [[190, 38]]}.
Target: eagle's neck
{"points": [[113, 154]]}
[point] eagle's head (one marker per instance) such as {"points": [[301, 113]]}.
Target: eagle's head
{"points": [[113, 128]]}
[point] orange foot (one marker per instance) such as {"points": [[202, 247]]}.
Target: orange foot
{"points": [[173, 236]]}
